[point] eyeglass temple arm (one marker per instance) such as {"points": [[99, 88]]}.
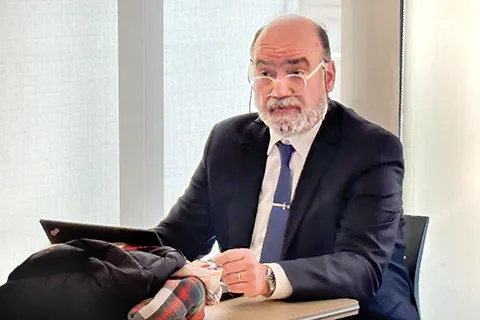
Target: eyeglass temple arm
{"points": [[320, 65]]}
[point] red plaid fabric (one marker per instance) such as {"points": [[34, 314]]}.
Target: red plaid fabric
{"points": [[178, 299]]}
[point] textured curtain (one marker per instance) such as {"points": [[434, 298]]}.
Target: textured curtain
{"points": [[58, 119]]}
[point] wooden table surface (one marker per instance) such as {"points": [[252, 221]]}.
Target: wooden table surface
{"points": [[244, 308]]}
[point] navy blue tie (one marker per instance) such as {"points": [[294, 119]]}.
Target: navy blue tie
{"points": [[273, 243]]}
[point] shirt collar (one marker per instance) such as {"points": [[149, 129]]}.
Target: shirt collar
{"points": [[300, 142]]}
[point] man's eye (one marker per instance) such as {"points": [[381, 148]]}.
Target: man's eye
{"points": [[265, 74], [298, 72]]}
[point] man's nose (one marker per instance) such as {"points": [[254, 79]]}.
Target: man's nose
{"points": [[281, 89]]}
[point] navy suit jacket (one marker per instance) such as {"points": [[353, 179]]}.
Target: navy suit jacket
{"points": [[344, 236]]}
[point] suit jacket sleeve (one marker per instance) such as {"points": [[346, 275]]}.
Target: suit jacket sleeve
{"points": [[188, 226], [366, 238]]}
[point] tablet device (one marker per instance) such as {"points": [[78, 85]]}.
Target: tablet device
{"points": [[63, 231]]}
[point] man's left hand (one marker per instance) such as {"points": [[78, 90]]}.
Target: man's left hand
{"points": [[242, 273]]}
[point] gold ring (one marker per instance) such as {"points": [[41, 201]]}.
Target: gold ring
{"points": [[238, 276]]}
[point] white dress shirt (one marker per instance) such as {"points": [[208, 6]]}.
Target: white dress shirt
{"points": [[301, 143]]}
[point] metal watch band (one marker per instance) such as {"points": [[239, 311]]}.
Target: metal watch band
{"points": [[270, 278]]}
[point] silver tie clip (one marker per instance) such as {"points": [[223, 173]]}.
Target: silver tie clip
{"points": [[284, 206]]}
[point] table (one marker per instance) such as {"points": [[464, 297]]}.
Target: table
{"points": [[258, 308]]}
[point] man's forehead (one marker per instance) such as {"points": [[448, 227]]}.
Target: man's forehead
{"points": [[293, 60], [287, 40], [278, 54], [288, 44]]}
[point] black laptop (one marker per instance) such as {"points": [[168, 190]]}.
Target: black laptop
{"points": [[63, 231]]}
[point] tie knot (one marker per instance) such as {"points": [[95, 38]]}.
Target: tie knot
{"points": [[286, 151]]}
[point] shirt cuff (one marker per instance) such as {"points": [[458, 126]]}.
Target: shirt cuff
{"points": [[283, 288]]}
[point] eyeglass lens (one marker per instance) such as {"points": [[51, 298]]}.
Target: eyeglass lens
{"points": [[264, 85]]}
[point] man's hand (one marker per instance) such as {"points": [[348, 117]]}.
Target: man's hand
{"points": [[242, 273]]}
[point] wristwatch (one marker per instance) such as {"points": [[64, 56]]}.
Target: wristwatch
{"points": [[272, 283]]}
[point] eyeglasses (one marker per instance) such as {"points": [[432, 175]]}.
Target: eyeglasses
{"points": [[296, 83]]}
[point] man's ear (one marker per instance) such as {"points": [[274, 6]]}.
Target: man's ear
{"points": [[330, 75]]}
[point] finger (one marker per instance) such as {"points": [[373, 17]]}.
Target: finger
{"points": [[238, 287], [234, 267], [229, 256], [209, 264], [238, 277]]}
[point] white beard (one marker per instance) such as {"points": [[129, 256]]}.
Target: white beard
{"points": [[288, 125]]}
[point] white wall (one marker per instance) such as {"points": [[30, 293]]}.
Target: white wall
{"points": [[441, 136], [58, 119], [371, 59]]}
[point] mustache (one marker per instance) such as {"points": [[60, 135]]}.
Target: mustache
{"points": [[274, 103]]}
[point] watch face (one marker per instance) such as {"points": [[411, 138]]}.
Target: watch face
{"points": [[271, 279]]}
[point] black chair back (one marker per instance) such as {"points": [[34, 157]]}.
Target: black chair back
{"points": [[415, 231]]}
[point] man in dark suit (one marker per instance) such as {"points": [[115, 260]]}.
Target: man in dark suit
{"points": [[305, 198]]}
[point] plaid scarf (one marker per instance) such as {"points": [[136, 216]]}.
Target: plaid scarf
{"points": [[178, 299]]}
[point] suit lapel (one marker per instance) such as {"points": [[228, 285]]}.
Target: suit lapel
{"points": [[319, 157], [250, 170]]}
